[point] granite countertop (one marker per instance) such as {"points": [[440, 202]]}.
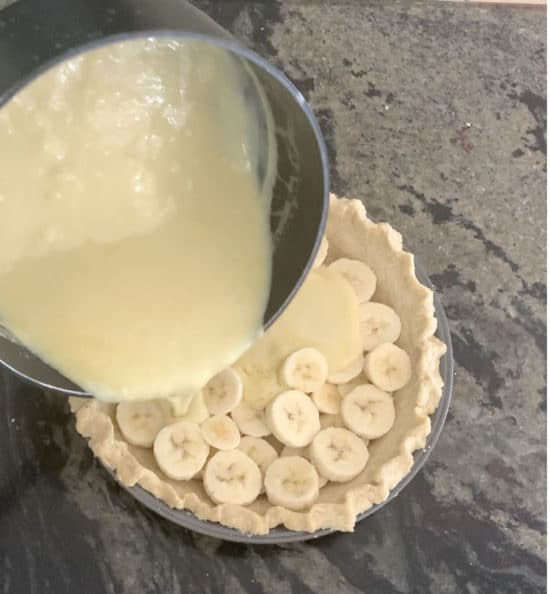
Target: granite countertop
{"points": [[434, 115]]}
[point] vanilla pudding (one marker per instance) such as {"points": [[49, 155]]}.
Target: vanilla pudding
{"points": [[135, 247]]}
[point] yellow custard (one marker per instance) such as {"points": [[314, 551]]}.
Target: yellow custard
{"points": [[135, 249]]}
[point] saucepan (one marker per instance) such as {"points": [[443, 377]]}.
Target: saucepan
{"points": [[43, 34]]}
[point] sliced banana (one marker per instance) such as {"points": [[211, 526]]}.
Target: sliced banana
{"points": [[338, 454], [221, 432], [259, 450], [379, 324], [326, 420], [388, 367], [232, 477], [321, 252], [250, 421], [348, 373], [223, 392], [305, 370], [293, 418], [140, 422], [359, 275], [368, 411], [322, 481], [327, 399], [292, 482], [180, 450]]}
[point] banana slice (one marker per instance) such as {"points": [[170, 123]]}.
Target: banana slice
{"points": [[221, 432], [349, 372], [259, 451], [292, 482], [180, 450], [379, 324], [368, 411], [326, 420], [197, 411], [293, 418], [223, 392], [338, 454], [305, 370], [140, 422], [321, 252], [388, 367], [250, 421], [359, 276], [232, 477], [327, 399], [322, 481]]}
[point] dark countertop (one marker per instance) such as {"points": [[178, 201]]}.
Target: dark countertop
{"points": [[434, 115]]}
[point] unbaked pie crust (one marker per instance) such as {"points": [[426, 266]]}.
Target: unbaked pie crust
{"points": [[350, 234]]}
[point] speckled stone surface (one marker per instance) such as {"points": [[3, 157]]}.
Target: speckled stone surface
{"points": [[435, 116]]}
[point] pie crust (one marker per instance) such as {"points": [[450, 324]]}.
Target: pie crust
{"points": [[350, 234]]}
